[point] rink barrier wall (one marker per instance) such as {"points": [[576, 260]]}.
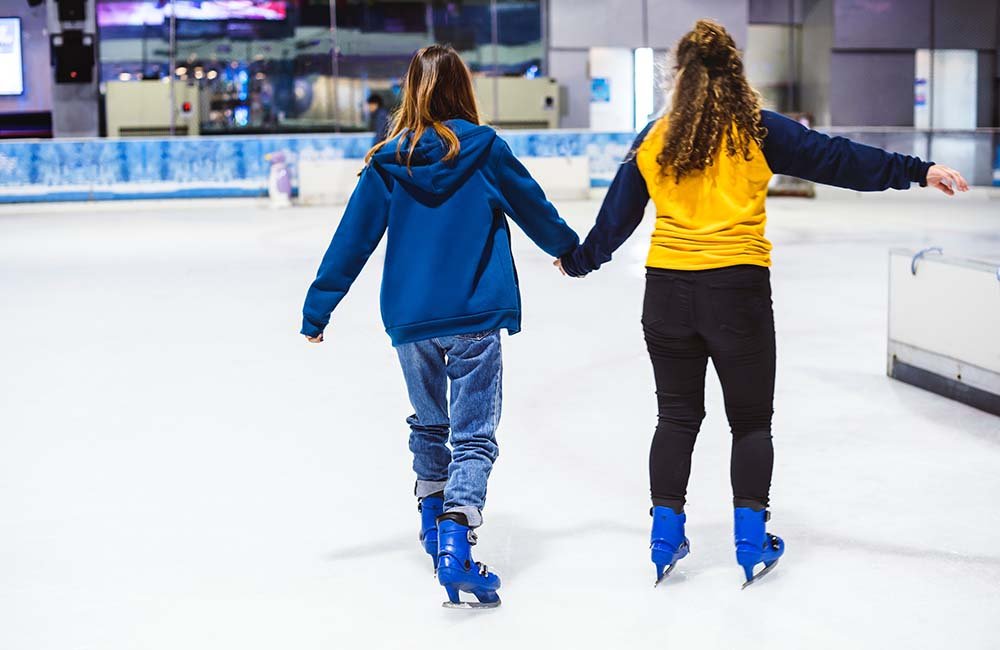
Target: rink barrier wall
{"points": [[233, 166], [996, 168], [943, 318], [326, 182]]}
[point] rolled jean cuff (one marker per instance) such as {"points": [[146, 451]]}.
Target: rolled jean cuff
{"points": [[472, 514], [427, 488]]}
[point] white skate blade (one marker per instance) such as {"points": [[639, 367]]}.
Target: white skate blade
{"points": [[760, 575], [666, 572], [450, 605]]}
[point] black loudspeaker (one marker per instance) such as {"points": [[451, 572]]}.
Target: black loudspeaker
{"points": [[73, 57], [72, 10]]}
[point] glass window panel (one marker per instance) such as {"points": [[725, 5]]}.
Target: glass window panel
{"points": [[258, 66]]}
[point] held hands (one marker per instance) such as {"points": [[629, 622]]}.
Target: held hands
{"points": [[558, 264], [946, 179], [315, 339]]}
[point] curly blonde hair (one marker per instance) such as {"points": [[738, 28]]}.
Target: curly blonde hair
{"points": [[712, 100]]}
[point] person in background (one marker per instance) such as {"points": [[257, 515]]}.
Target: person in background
{"points": [[440, 186], [706, 165], [378, 117]]}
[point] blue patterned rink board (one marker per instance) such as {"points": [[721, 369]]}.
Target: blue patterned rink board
{"points": [[996, 168], [185, 167]]}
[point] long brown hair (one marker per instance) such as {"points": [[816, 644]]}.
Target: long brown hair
{"points": [[712, 100], [438, 87]]}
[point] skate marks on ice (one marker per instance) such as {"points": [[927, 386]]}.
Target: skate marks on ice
{"points": [[397, 544], [714, 559], [522, 547], [514, 548], [818, 539]]}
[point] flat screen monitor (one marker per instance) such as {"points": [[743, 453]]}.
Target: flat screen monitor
{"points": [[132, 13], [11, 66]]}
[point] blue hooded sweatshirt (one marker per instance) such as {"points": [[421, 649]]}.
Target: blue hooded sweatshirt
{"points": [[448, 264]]}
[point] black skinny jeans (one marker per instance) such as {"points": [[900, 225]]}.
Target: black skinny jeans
{"points": [[725, 314]]}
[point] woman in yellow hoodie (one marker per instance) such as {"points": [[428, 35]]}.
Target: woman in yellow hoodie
{"points": [[706, 165]]}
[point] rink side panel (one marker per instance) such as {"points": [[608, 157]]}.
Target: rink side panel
{"points": [[234, 166], [944, 317]]}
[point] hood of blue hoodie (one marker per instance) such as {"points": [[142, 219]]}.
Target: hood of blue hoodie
{"points": [[427, 172]]}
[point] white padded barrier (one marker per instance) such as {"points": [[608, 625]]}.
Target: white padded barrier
{"points": [[562, 177], [331, 181], [324, 181], [944, 325]]}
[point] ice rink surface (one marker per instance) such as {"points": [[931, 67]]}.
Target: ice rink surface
{"points": [[179, 470]]}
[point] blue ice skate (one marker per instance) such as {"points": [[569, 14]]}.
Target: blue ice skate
{"points": [[457, 571], [753, 544], [667, 542], [430, 509]]}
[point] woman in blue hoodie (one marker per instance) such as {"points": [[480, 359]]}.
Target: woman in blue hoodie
{"points": [[440, 186]]}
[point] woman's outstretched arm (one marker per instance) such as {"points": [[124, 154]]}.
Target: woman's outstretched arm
{"points": [[621, 213], [794, 150]]}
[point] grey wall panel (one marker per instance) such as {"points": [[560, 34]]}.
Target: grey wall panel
{"points": [[986, 99], [882, 24], [817, 44], [965, 24], [37, 95], [596, 23], [668, 20], [871, 88], [569, 68], [781, 12]]}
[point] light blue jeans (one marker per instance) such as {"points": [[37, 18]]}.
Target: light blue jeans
{"points": [[473, 365]]}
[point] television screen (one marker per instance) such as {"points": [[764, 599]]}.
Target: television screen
{"points": [[135, 13], [11, 71], [195, 29]]}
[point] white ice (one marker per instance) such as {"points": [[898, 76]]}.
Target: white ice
{"points": [[179, 470]]}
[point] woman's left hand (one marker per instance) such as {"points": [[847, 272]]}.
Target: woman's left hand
{"points": [[946, 179]]}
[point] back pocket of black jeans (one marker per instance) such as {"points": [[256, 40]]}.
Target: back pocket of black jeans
{"points": [[741, 309], [658, 310]]}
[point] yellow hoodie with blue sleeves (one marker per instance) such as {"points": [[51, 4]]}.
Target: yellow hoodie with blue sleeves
{"points": [[716, 217]]}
